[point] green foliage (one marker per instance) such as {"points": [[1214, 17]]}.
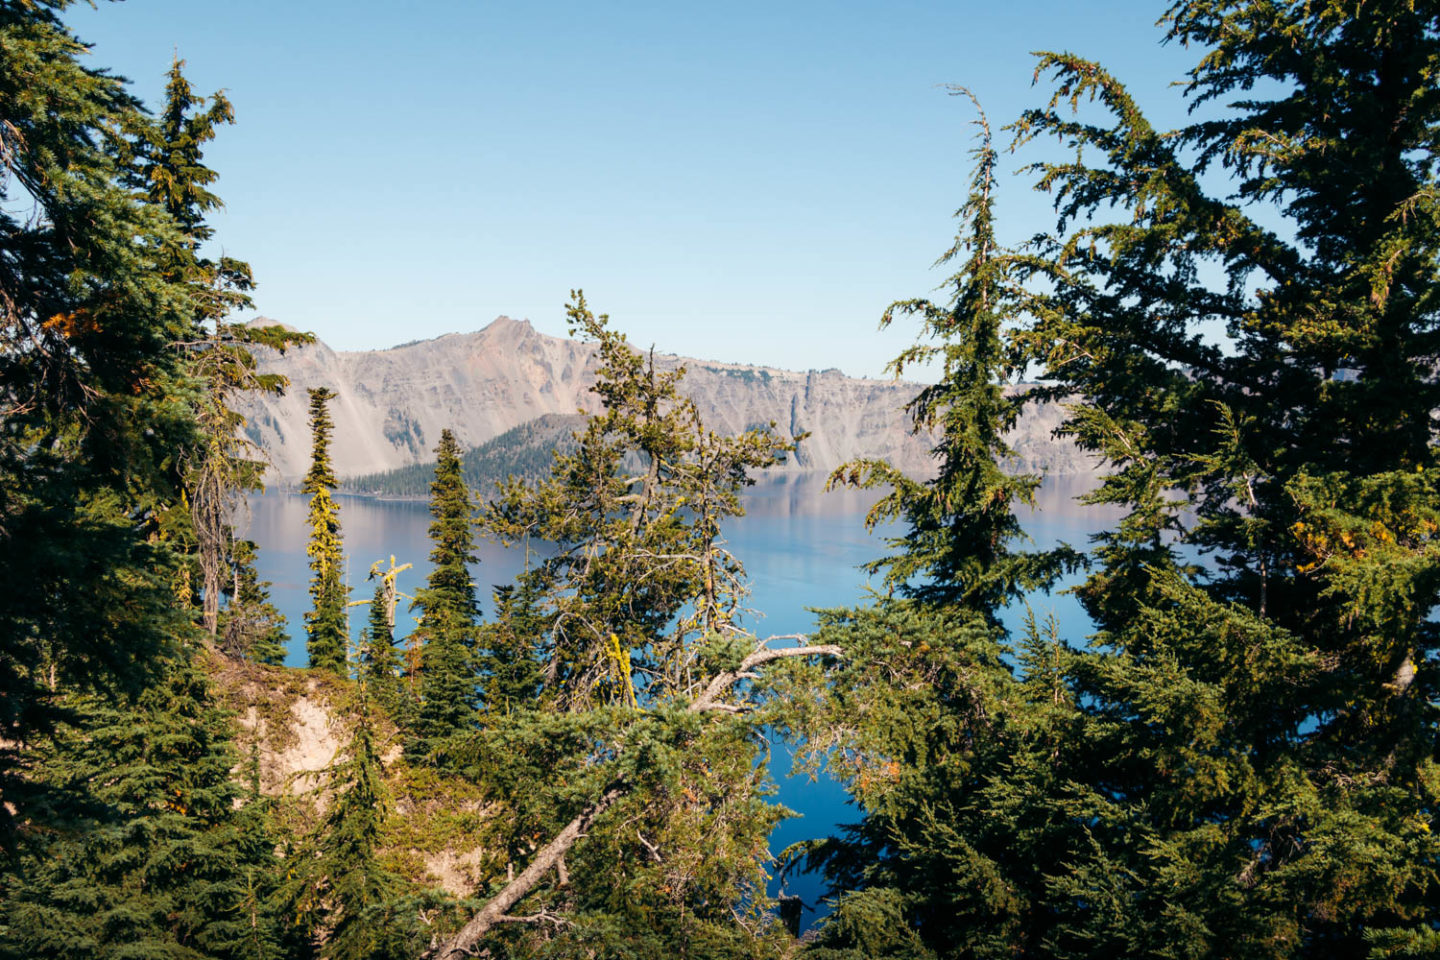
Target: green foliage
{"points": [[92, 395], [166, 160], [633, 547], [524, 452], [448, 608], [508, 655], [250, 625], [926, 717], [960, 526], [338, 889], [327, 637], [588, 667], [379, 663], [1279, 735], [153, 858], [1240, 763]]}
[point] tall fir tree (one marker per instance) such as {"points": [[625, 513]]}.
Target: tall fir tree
{"points": [[932, 708], [221, 465], [508, 657], [338, 890], [379, 662], [1264, 726], [327, 640], [1240, 762], [449, 611], [251, 626], [92, 395]]}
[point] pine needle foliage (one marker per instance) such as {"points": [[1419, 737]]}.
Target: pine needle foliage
{"points": [[589, 664], [1262, 731], [1240, 762], [156, 856], [250, 625], [338, 890], [639, 573], [509, 657], [167, 163], [379, 662], [960, 528], [449, 611], [92, 394], [933, 716], [327, 639]]}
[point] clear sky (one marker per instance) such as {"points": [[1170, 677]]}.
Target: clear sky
{"points": [[740, 181]]}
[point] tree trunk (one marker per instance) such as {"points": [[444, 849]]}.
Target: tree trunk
{"points": [[553, 853]]}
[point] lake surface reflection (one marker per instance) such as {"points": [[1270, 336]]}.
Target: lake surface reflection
{"points": [[801, 547]]}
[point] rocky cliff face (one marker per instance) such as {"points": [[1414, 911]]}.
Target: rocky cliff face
{"points": [[393, 403]]}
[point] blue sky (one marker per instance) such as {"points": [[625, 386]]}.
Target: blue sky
{"points": [[750, 182]]}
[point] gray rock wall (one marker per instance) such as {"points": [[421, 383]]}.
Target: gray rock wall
{"points": [[392, 404]]}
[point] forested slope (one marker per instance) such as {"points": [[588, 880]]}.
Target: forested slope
{"points": [[1239, 758]]}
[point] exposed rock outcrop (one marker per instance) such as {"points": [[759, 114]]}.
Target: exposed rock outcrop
{"points": [[393, 403]]}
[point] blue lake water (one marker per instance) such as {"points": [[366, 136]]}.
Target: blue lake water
{"points": [[801, 547]]}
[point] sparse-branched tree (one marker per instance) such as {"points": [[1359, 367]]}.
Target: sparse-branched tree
{"points": [[250, 625], [627, 638], [325, 623], [640, 573], [220, 467]]}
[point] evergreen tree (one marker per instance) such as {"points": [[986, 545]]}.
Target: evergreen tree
{"points": [[92, 394], [448, 608], [250, 625], [1265, 726], [155, 858], [338, 890], [1241, 761], [604, 718], [326, 639], [379, 663], [933, 717], [168, 164], [634, 517], [511, 672]]}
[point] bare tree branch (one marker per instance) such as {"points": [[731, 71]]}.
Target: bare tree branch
{"points": [[710, 697], [463, 943], [552, 855]]}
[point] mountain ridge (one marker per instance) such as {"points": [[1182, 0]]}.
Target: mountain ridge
{"points": [[392, 404]]}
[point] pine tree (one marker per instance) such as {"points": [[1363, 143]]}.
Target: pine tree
{"points": [[606, 666], [448, 609], [93, 396], [508, 660], [634, 515], [326, 637], [379, 663], [155, 859], [250, 625], [935, 719], [168, 164], [1264, 724], [338, 889], [1240, 762]]}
